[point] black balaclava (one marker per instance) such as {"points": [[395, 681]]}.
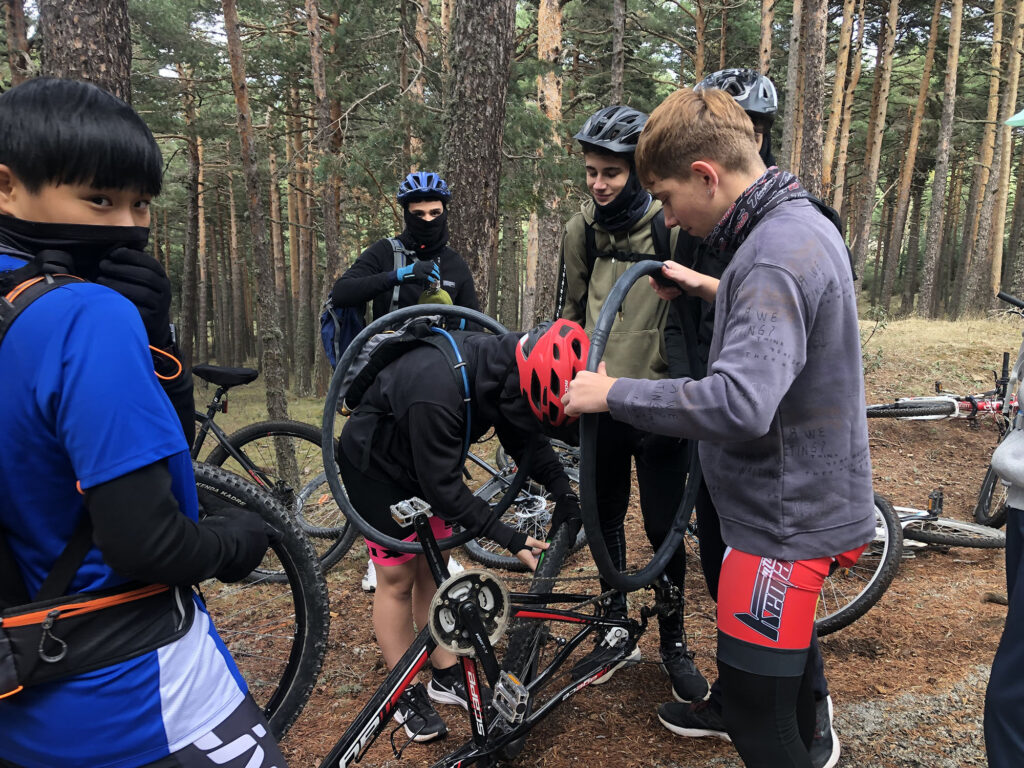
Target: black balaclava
{"points": [[426, 238], [86, 244], [766, 142], [628, 207]]}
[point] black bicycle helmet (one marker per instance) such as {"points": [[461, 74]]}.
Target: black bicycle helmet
{"points": [[754, 92], [613, 129], [423, 185]]}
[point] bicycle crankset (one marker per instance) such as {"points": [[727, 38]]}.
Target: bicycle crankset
{"points": [[483, 589]]}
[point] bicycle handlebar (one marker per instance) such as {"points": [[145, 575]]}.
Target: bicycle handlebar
{"points": [[390, 321], [1010, 299], [624, 582]]}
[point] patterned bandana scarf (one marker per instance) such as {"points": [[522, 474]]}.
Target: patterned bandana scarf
{"points": [[772, 188]]}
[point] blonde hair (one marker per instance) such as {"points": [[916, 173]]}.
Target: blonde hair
{"points": [[695, 125]]}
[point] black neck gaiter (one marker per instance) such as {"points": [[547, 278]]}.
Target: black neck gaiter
{"points": [[426, 238], [628, 207], [85, 244], [766, 149]]}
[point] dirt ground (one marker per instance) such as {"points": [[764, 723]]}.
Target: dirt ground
{"points": [[907, 679]]}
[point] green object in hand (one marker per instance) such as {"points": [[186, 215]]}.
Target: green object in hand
{"points": [[435, 294]]}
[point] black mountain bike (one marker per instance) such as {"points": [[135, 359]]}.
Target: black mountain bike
{"points": [[284, 458]]}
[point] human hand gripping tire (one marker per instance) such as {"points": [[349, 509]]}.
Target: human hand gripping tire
{"points": [[244, 540], [527, 555], [139, 278], [567, 510], [420, 273]]}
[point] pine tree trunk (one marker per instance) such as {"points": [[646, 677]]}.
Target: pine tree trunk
{"points": [[815, 16], [202, 349], [222, 284], [187, 330], [481, 51], [981, 170], [1013, 246], [839, 196], [947, 255], [529, 306], [88, 40], [838, 89], [508, 272], [700, 31], [875, 130], [764, 62], [277, 246], [292, 146], [722, 37], [902, 199], [618, 44], [910, 274], [928, 304], [793, 85], [17, 41], [238, 281]]}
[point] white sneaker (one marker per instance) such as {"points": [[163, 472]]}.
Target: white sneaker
{"points": [[454, 567], [369, 582]]}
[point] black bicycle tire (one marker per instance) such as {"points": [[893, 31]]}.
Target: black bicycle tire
{"points": [[289, 428], [954, 533], [308, 591], [910, 410], [983, 514], [491, 559], [880, 580]]}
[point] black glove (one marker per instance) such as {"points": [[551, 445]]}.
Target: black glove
{"points": [[567, 510], [244, 540], [420, 273], [139, 278]]}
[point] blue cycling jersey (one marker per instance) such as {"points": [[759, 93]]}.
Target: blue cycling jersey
{"points": [[79, 403]]}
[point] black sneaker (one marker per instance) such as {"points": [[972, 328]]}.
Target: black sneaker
{"points": [[825, 744], [455, 693], [418, 715], [688, 684], [604, 655], [693, 720]]}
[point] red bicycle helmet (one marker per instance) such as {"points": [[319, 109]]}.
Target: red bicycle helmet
{"points": [[549, 357]]}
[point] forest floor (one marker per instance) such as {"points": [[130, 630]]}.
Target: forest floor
{"points": [[908, 679]]}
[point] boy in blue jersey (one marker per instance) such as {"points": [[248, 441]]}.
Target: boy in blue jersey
{"points": [[93, 451]]}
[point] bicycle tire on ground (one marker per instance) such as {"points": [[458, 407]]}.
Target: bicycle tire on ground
{"points": [[848, 593], [910, 410], [954, 533], [991, 507], [276, 631], [317, 514]]}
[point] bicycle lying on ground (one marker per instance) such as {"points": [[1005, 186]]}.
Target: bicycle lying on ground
{"points": [[282, 457]]}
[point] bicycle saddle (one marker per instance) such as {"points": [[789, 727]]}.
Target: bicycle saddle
{"points": [[225, 377]]}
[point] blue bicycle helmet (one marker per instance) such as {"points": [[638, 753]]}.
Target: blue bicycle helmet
{"points": [[754, 92], [423, 185]]}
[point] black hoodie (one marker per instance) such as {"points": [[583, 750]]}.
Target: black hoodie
{"points": [[411, 426]]}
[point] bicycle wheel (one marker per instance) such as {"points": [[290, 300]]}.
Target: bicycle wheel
{"points": [[848, 593], [991, 507], [954, 533], [276, 630], [530, 512], [912, 410], [288, 461]]}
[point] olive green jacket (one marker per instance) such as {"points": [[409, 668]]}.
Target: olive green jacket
{"points": [[636, 344]]}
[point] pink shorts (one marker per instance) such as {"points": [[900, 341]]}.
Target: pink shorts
{"points": [[385, 557]]}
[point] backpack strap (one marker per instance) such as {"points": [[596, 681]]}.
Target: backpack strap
{"points": [[30, 286], [400, 253]]}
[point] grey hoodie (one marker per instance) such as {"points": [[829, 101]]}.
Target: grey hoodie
{"points": [[781, 415]]}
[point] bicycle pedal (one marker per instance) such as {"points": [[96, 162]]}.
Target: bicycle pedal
{"points": [[510, 699], [404, 511]]}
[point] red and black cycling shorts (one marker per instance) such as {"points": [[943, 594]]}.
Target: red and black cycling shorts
{"points": [[766, 610]]}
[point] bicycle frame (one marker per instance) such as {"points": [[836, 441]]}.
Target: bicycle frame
{"points": [[206, 425], [491, 731]]}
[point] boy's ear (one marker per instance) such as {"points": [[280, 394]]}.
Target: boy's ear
{"points": [[8, 186], [707, 173]]}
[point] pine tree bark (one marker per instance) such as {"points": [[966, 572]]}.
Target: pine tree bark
{"points": [[88, 40], [481, 51], [277, 246], [700, 32], [17, 41], [722, 37], [902, 199], [187, 330], [618, 44], [875, 130], [927, 305], [239, 343], [764, 63], [910, 274], [839, 189], [793, 85], [508, 271], [815, 17], [838, 90], [202, 348], [267, 310], [1013, 245]]}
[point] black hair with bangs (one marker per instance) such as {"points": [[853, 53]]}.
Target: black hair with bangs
{"points": [[55, 131]]}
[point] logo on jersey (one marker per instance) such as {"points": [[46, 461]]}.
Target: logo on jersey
{"points": [[768, 597]]}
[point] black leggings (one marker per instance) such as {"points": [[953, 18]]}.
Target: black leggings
{"points": [[660, 475], [770, 719]]}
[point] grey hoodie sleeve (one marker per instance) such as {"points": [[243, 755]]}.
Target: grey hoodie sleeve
{"points": [[764, 348]]}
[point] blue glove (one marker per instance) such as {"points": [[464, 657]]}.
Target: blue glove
{"points": [[420, 273]]}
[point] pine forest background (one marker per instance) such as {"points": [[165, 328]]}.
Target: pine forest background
{"points": [[286, 127]]}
